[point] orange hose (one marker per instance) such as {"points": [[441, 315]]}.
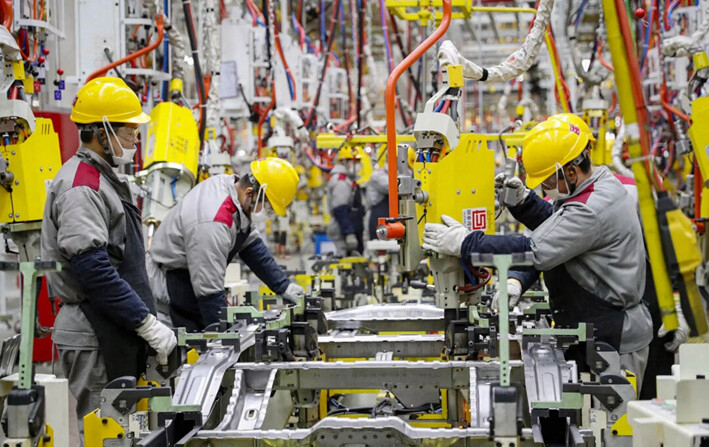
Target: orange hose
{"points": [[6, 8], [34, 51], [390, 97], [600, 57], [285, 63], [614, 103], [135, 32], [160, 22]]}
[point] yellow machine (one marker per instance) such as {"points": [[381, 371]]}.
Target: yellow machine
{"points": [[172, 137], [26, 169], [470, 199], [171, 159], [437, 188]]}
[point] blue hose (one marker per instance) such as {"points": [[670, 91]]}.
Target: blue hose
{"points": [[323, 41], [580, 13], [468, 273], [385, 32], [173, 185], [670, 10]]}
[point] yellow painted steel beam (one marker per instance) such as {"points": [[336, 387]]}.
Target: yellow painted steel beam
{"points": [[334, 141]]}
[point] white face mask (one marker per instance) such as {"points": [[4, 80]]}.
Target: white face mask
{"points": [[128, 152], [260, 197], [554, 194]]}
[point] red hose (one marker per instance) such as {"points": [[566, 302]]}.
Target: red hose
{"points": [[283, 59], [160, 22], [637, 89], [390, 96], [600, 57], [6, 10]]}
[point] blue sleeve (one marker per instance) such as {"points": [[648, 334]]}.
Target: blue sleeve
{"points": [[533, 211], [211, 306], [526, 276], [342, 215], [260, 261], [479, 242], [106, 290]]}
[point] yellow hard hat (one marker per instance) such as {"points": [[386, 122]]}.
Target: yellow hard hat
{"points": [[280, 179], [576, 121], [109, 97], [551, 142], [348, 153]]}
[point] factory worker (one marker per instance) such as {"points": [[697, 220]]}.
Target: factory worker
{"points": [[665, 344], [211, 225], [589, 243], [93, 228], [344, 202], [377, 196]]}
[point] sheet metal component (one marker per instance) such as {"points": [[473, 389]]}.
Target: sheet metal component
{"points": [[545, 372], [199, 383], [336, 432], [413, 383], [388, 317], [254, 405], [367, 346]]}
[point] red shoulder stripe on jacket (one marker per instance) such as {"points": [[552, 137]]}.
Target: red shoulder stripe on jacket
{"points": [[583, 197], [625, 180], [226, 211], [87, 175]]}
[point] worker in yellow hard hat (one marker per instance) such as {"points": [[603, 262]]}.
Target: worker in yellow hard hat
{"points": [[201, 235], [345, 204], [588, 243], [92, 226]]}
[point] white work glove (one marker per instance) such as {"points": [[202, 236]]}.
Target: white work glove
{"points": [[159, 337], [510, 192], [514, 292], [681, 334], [351, 241], [292, 293], [448, 54], [444, 239]]}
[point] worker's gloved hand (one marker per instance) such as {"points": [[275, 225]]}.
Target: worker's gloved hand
{"points": [[292, 293], [681, 334], [159, 337], [510, 192], [444, 239], [448, 54], [351, 241], [514, 292]]}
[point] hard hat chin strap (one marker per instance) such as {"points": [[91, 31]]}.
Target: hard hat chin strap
{"points": [[260, 196]]}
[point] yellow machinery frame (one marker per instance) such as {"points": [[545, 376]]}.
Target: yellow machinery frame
{"points": [[33, 163], [460, 196]]}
